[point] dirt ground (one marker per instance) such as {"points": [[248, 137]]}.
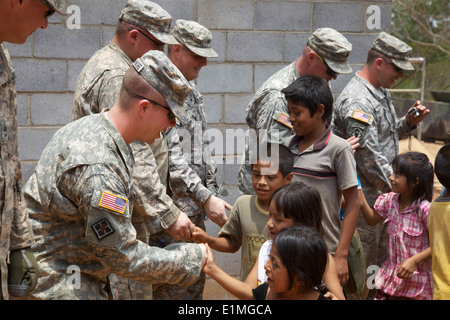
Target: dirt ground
{"points": [[215, 292]]}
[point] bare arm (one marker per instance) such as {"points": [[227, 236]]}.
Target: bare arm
{"points": [[217, 243], [371, 217]]}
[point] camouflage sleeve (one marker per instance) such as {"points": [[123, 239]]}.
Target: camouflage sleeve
{"points": [[109, 231], [182, 176], [152, 202], [211, 168]]}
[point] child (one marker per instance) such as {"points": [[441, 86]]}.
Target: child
{"points": [[297, 262], [294, 204], [246, 224], [324, 161], [406, 274], [439, 220]]}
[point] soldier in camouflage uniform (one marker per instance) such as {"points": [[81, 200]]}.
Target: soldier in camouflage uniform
{"points": [[325, 55], [364, 109], [20, 274], [81, 195], [189, 57]]}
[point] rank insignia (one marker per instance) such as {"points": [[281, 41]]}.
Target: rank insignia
{"points": [[284, 119], [102, 228], [113, 202]]}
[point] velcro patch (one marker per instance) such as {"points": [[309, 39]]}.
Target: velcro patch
{"points": [[284, 119], [361, 116], [113, 202], [102, 228]]}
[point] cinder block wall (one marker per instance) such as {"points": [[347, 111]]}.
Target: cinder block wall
{"points": [[253, 39]]}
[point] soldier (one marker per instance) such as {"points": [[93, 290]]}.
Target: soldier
{"points": [[325, 55], [81, 196], [365, 109], [189, 56], [18, 20]]}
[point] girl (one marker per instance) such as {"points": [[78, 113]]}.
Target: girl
{"points": [[297, 261], [292, 204], [406, 274]]}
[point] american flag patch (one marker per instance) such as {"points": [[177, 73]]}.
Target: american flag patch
{"points": [[361, 116], [284, 119], [113, 202]]}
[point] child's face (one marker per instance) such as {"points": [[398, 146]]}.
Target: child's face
{"points": [[302, 122], [277, 274], [277, 221], [399, 183], [265, 184]]}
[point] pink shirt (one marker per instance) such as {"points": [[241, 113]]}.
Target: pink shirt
{"points": [[408, 236]]}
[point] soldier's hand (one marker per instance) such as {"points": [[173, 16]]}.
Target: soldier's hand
{"points": [[182, 228], [423, 112], [215, 209]]}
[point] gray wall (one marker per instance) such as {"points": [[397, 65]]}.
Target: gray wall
{"points": [[253, 40]]}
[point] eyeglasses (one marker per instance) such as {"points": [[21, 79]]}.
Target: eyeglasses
{"points": [[159, 45], [49, 12], [329, 71], [396, 69], [171, 115]]}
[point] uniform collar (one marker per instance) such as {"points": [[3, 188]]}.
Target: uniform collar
{"points": [[379, 94]]}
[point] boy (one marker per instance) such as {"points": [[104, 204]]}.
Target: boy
{"points": [[246, 224], [439, 226], [324, 161]]}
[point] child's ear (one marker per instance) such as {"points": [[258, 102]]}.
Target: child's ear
{"points": [[288, 178], [320, 111]]}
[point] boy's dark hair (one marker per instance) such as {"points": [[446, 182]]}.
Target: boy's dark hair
{"points": [[442, 166], [301, 203], [310, 91], [286, 158], [304, 254], [417, 168]]}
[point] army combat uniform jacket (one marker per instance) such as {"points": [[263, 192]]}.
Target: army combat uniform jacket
{"points": [[80, 200], [267, 111], [15, 229], [368, 113]]}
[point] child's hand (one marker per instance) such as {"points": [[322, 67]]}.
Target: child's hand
{"points": [[210, 264], [199, 235], [406, 269], [330, 295]]}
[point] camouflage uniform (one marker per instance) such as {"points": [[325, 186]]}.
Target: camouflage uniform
{"points": [[267, 112], [15, 228], [80, 199], [194, 145], [368, 113]]}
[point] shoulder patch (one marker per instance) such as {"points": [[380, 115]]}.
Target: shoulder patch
{"points": [[102, 228], [113, 202], [284, 119], [361, 116]]}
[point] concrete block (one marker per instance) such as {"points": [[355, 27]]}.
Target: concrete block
{"points": [[27, 170], [99, 11], [22, 109], [51, 109], [213, 107], [21, 50], [74, 70], [361, 44], [235, 106], [294, 44], [264, 72], [283, 16], [226, 14], [254, 46], [340, 16], [179, 9], [219, 44], [226, 78], [40, 75], [32, 142], [77, 44]]}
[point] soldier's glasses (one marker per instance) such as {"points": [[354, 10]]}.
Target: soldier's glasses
{"points": [[329, 71], [49, 12], [171, 115], [396, 69], [159, 45]]}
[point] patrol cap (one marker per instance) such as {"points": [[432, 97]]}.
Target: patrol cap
{"points": [[194, 36], [149, 16], [156, 68], [393, 48], [59, 6], [333, 47]]}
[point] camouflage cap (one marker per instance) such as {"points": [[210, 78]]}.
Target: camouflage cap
{"points": [[393, 48], [156, 68], [333, 47], [194, 36], [59, 6], [149, 16]]}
